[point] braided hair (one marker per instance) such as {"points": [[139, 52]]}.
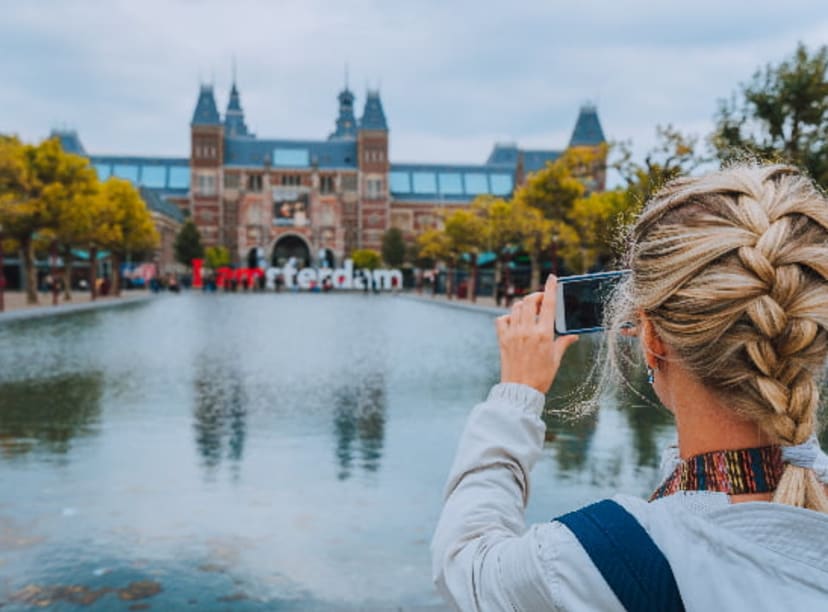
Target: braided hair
{"points": [[732, 270]]}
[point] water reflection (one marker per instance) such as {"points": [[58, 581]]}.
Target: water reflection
{"points": [[359, 424], [48, 413], [219, 414]]}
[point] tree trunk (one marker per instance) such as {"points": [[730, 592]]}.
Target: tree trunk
{"points": [[93, 272], [67, 275], [29, 269], [116, 275], [449, 282], [498, 275], [534, 283], [472, 286]]}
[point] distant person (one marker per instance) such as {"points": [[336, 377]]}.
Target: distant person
{"points": [[728, 295]]}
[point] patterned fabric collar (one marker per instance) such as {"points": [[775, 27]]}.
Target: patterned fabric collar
{"points": [[735, 472]]}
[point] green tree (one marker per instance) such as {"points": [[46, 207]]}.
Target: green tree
{"points": [[188, 244], [366, 259], [132, 231], [217, 257], [434, 245], [393, 247], [781, 114], [674, 154]]}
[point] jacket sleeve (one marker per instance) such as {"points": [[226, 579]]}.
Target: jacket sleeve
{"points": [[483, 556]]}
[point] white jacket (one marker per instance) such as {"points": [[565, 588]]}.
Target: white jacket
{"points": [[750, 556]]}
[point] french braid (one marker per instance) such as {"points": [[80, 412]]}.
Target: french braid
{"points": [[732, 269]]}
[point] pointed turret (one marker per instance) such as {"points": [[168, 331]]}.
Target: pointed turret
{"points": [[234, 124], [346, 125], [206, 112], [587, 132], [373, 117]]}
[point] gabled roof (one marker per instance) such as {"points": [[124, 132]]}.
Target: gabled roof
{"points": [[290, 153], [158, 203], [69, 141], [587, 132], [373, 117], [504, 154], [206, 112], [537, 160]]}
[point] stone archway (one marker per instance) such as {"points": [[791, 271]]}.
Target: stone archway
{"points": [[291, 245]]}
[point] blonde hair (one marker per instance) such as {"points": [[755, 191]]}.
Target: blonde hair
{"points": [[732, 270]]}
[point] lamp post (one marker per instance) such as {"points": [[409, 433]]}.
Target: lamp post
{"points": [[2, 273], [52, 273]]}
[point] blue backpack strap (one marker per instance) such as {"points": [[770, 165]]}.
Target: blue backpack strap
{"points": [[628, 559]]}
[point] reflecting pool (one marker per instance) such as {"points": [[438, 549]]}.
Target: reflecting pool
{"points": [[252, 452]]}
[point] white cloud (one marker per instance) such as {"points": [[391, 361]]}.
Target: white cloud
{"points": [[454, 76]]}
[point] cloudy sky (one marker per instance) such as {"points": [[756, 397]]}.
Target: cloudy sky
{"points": [[455, 76]]}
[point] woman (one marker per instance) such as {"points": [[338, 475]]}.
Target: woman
{"points": [[729, 296]]}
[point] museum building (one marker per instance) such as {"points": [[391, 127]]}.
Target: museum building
{"points": [[270, 199]]}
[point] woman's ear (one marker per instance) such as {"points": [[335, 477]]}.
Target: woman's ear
{"points": [[654, 349]]}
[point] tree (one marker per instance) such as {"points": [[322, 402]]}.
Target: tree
{"points": [[467, 234], [538, 234], [393, 247], [780, 115], [366, 259], [188, 244], [217, 257], [502, 230], [132, 230], [37, 184], [435, 245], [598, 221], [554, 189], [674, 154]]}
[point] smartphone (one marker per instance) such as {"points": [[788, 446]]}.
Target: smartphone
{"points": [[581, 299]]}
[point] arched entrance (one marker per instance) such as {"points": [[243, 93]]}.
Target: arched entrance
{"points": [[291, 246]]}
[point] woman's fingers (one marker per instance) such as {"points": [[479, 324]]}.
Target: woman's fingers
{"points": [[547, 308]]}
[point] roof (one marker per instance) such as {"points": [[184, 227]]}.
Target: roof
{"points": [[168, 175], [346, 123], [158, 203], [291, 153], [587, 130], [448, 183], [206, 112], [504, 154], [234, 117], [69, 141], [373, 117], [537, 160]]}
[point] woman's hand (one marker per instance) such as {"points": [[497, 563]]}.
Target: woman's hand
{"points": [[529, 352]]}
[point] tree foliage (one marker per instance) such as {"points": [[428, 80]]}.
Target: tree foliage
{"points": [[393, 247], [366, 259], [217, 257], [781, 114], [188, 244]]}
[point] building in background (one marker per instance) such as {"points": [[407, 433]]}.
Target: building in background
{"points": [[301, 198]]}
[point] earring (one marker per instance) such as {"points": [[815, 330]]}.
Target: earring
{"points": [[650, 375]]}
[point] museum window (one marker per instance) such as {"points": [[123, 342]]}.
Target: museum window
{"points": [[231, 180], [373, 188], [291, 180], [349, 182], [326, 184], [206, 184], [254, 182]]}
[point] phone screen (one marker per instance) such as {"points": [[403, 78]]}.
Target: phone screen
{"points": [[581, 301]]}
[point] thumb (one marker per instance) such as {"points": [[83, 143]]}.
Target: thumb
{"points": [[561, 344]]}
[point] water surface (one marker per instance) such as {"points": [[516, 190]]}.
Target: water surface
{"points": [[262, 451]]}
